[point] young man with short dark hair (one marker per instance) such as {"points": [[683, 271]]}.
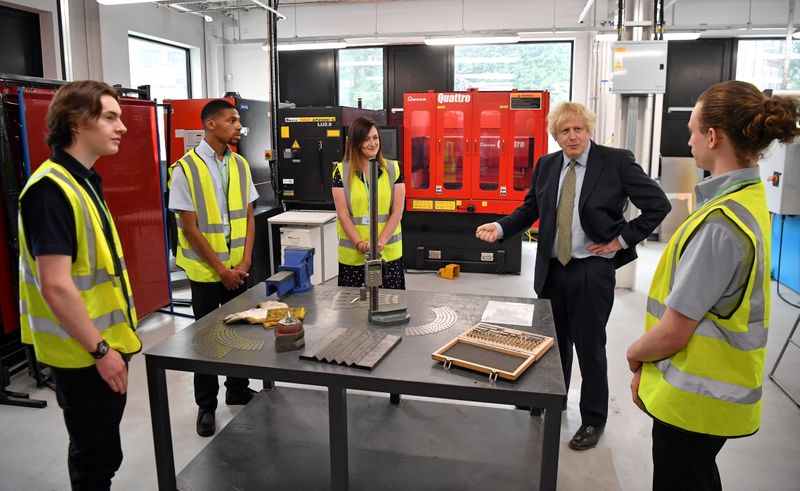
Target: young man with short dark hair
{"points": [[212, 195]]}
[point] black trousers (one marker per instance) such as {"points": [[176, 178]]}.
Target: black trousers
{"points": [[581, 295], [206, 297], [92, 413], [683, 460]]}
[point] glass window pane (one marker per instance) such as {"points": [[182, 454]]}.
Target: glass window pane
{"points": [[361, 76], [453, 150], [490, 150], [524, 144], [760, 62], [525, 66], [420, 150], [165, 68]]}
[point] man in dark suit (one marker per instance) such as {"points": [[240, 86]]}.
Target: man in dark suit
{"points": [[580, 194]]}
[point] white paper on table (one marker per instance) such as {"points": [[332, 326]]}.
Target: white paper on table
{"points": [[517, 314]]}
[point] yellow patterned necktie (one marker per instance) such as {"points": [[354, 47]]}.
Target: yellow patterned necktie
{"points": [[564, 216]]}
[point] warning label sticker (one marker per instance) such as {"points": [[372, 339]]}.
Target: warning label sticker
{"points": [[310, 119]]}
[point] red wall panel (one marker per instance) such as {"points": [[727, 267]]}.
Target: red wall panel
{"points": [[132, 189]]}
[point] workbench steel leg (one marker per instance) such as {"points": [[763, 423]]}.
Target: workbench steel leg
{"points": [[337, 421], [550, 443], [162, 433]]}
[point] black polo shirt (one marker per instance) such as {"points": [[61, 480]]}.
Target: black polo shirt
{"points": [[47, 213]]}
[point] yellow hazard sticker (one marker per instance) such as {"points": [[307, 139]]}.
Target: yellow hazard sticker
{"points": [[445, 205], [422, 204], [295, 145], [334, 133], [284, 132]]}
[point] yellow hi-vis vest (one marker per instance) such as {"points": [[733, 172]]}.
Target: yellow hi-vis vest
{"points": [[358, 202], [93, 272], [713, 385], [209, 216]]}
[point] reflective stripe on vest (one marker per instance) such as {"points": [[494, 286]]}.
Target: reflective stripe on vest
{"points": [[101, 291], [714, 384], [209, 216], [356, 196]]}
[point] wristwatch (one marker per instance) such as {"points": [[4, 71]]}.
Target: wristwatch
{"points": [[102, 349]]}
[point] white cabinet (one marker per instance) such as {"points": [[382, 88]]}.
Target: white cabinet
{"points": [[315, 229]]}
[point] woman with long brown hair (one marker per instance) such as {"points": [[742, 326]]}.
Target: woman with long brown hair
{"points": [[699, 366], [351, 197]]}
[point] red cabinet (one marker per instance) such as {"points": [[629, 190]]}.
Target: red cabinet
{"points": [[472, 151]]}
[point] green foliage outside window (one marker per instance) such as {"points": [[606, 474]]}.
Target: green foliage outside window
{"points": [[760, 62], [361, 75], [522, 66]]}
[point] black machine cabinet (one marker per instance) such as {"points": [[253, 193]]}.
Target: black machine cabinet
{"points": [[311, 140], [253, 145], [432, 240]]}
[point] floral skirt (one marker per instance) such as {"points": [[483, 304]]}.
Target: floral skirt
{"points": [[393, 275]]}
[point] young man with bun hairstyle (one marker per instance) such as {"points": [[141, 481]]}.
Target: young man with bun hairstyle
{"points": [[699, 366]]}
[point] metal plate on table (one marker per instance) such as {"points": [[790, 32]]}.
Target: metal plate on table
{"points": [[217, 340]]}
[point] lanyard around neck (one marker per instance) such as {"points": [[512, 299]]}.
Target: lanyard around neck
{"points": [[224, 177], [736, 186]]}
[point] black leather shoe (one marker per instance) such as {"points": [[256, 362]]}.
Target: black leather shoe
{"points": [[586, 437], [206, 425], [239, 397]]}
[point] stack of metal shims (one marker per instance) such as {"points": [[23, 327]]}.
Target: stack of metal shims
{"points": [[362, 348]]}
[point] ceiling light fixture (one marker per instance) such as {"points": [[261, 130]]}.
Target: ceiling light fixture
{"points": [[606, 36], [383, 41], [585, 11], [450, 41], [681, 36], [310, 46], [267, 7]]}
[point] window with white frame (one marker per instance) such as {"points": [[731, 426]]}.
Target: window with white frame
{"points": [[523, 66], [760, 62], [165, 68], [361, 77]]}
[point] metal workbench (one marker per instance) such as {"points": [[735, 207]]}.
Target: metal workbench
{"points": [[279, 437]]}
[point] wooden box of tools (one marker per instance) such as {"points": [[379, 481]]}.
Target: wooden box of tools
{"points": [[495, 350]]}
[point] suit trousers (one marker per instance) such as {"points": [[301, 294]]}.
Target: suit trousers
{"points": [[581, 295], [685, 460], [92, 413], [206, 297]]}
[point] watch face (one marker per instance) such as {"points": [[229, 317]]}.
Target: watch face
{"points": [[102, 349]]}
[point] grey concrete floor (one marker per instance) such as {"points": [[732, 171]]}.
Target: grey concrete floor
{"points": [[33, 442]]}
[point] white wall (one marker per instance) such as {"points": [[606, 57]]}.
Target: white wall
{"points": [[247, 70], [430, 16], [445, 16], [720, 12]]}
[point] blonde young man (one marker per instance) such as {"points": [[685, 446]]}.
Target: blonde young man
{"points": [[579, 194]]}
